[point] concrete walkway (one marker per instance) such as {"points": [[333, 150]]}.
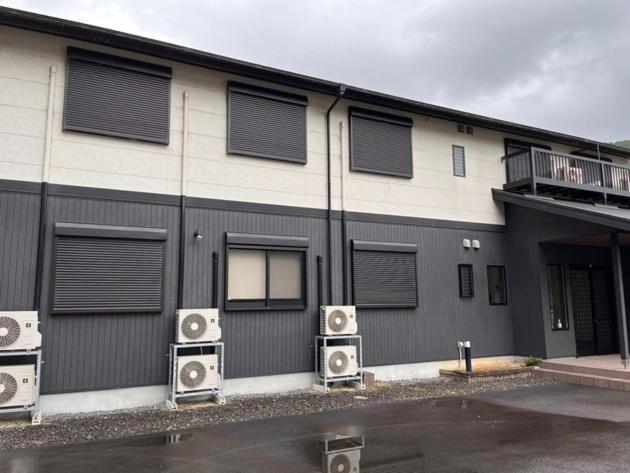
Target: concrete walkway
{"points": [[542, 429]]}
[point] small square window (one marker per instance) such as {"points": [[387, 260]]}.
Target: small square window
{"points": [[466, 282], [497, 288]]}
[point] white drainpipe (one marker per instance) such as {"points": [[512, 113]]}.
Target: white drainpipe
{"points": [[184, 180], [49, 121]]}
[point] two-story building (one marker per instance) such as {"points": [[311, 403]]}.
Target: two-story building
{"points": [[139, 177]]}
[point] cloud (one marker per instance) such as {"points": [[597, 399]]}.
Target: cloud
{"points": [[560, 65]]}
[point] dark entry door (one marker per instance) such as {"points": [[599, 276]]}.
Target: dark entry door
{"points": [[593, 310]]}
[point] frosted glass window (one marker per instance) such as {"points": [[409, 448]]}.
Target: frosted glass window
{"points": [[285, 275], [246, 275]]}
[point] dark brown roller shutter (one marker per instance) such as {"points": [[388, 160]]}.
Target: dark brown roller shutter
{"points": [[105, 275], [266, 123], [385, 279], [118, 97], [380, 143]]}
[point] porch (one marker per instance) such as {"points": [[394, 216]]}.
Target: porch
{"points": [[570, 273], [598, 371]]}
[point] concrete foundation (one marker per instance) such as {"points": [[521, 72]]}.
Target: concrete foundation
{"points": [[151, 396]]}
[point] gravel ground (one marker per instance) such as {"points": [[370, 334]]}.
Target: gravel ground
{"points": [[60, 430]]}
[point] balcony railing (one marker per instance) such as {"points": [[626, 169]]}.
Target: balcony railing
{"points": [[541, 171]]}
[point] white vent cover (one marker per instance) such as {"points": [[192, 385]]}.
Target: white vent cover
{"points": [[198, 325], [340, 361], [17, 385], [337, 320], [19, 331], [343, 462], [197, 373]]}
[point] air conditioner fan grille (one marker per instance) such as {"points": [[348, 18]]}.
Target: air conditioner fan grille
{"points": [[194, 326], [9, 331], [337, 320], [8, 387], [338, 362], [340, 464], [192, 374]]}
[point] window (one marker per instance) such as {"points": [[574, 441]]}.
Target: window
{"points": [[106, 269], [266, 123], [557, 297], [380, 143], [384, 274], [113, 96], [497, 288], [459, 162], [264, 272], [466, 283]]}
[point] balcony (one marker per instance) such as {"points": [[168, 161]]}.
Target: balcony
{"points": [[543, 172]]}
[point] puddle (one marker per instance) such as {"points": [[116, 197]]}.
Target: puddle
{"points": [[154, 440]]}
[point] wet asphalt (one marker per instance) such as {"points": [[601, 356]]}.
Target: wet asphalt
{"points": [[554, 428]]}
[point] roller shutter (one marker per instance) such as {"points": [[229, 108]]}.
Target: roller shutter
{"points": [[380, 143], [118, 97], [266, 123], [386, 276], [106, 275]]}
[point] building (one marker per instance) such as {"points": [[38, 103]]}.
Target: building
{"points": [[138, 177]]}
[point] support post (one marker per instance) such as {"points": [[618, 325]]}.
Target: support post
{"points": [[622, 323], [532, 169]]}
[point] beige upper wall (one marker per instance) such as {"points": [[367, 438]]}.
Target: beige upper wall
{"points": [[90, 160]]}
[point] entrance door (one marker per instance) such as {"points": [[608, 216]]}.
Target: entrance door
{"points": [[593, 310]]}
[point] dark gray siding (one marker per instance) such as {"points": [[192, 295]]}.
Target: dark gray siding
{"points": [[430, 332], [99, 351], [19, 224], [526, 271], [256, 342], [86, 352]]}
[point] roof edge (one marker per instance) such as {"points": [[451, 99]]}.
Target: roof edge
{"points": [[138, 44], [558, 208]]}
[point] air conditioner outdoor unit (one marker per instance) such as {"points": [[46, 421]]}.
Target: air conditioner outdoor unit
{"points": [[347, 461], [19, 331], [17, 386], [197, 373], [198, 325], [340, 361], [337, 320]]}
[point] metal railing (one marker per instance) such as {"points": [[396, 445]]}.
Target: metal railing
{"points": [[552, 167]]}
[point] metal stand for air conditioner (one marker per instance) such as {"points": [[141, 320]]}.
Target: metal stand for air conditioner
{"points": [[322, 379], [36, 416], [173, 355]]}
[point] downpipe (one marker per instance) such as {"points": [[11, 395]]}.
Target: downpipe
{"points": [[329, 291]]}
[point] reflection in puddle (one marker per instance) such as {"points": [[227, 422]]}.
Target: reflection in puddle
{"points": [[157, 440], [342, 454], [351, 455]]}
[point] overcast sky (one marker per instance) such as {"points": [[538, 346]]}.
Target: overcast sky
{"points": [[557, 64]]}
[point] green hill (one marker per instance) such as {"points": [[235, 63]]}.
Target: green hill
{"points": [[624, 143]]}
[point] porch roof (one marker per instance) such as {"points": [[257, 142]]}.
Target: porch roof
{"points": [[606, 215]]}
